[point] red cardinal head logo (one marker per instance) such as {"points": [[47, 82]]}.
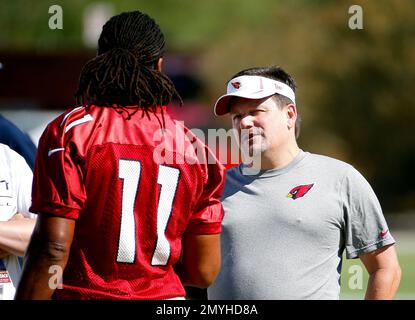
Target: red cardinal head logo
{"points": [[299, 191], [236, 84]]}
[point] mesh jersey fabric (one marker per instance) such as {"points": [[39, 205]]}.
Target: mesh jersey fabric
{"points": [[133, 197]]}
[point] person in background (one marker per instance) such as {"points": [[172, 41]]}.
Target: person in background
{"points": [[17, 140], [16, 222]]}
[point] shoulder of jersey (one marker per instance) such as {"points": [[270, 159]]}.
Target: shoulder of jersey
{"points": [[72, 118]]}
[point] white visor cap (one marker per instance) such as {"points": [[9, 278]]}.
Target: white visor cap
{"points": [[251, 87]]}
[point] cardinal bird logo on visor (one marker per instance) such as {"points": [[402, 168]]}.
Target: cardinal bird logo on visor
{"points": [[299, 191], [236, 84]]}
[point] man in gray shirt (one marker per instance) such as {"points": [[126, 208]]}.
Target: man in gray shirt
{"points": [[290, 214]]}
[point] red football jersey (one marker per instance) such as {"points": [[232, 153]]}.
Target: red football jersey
{"points": [[134, 189]]}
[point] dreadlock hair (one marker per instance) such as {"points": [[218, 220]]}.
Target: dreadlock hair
{"points": [[123, 75]]}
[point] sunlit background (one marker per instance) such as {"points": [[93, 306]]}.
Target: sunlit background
{"points": [[354, 85]]}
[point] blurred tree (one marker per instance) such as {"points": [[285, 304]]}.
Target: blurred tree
{"points": [[354, 86]]}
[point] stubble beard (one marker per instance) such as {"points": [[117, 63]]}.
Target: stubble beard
{"points": [[252, 143]]}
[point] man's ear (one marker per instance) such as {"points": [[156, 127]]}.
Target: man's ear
{"points": [[291, 115], [159, 63]]}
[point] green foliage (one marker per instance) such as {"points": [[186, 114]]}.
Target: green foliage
{"points": [[188, 24], [354, 86]]}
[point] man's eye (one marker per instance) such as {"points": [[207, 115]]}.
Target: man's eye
{"points": [[255, 112]]}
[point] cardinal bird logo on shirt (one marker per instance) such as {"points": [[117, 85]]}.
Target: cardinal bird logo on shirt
{"points": [[236, 84], [299, 191]]}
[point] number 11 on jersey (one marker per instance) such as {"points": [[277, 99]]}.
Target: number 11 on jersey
{"points": [[130, 173]]}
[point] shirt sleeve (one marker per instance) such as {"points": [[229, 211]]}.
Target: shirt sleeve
{"points": [[208, 214], [58, 186], [23, 178], [366, 229]]}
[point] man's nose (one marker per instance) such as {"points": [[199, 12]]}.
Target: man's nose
{"points": [[246, 122]]}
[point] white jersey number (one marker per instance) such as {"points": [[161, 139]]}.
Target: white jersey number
{"points": [[130, 173]]}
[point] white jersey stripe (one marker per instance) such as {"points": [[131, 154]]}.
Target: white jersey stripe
{"points": [[85, 119], [68, 114], [52, 151]]}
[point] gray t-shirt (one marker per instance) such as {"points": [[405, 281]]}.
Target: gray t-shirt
{"points": [[285, 230]]}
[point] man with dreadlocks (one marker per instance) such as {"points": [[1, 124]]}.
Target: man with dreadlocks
{"points": [[122, 221]]}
